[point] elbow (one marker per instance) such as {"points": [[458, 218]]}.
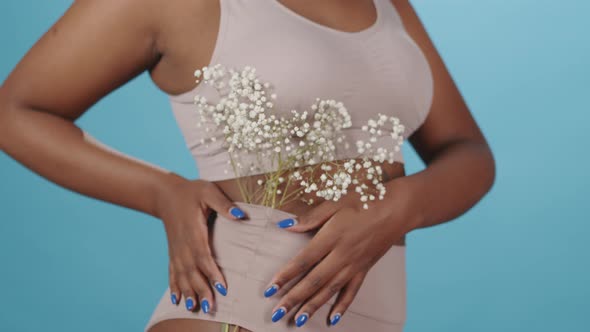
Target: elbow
{"points": [[483, 157], [7, 107], [4, 108], [489, 174], [478, 154]]}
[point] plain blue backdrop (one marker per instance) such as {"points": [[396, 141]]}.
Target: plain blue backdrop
{"points": [[518, 261]]}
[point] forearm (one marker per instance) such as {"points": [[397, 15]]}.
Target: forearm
{"points": [[58, 150], [449, 186]]}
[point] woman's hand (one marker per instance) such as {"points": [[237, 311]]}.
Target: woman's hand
{"points": [[184, 206], [350, 241]]}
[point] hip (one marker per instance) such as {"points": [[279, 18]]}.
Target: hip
{"points": [[249, 252]]}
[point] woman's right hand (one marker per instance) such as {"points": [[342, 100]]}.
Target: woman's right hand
{"points": [[37, 114], [184, 206]]}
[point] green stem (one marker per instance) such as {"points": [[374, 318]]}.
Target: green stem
{"points": [[293, 192], [242, 190]]}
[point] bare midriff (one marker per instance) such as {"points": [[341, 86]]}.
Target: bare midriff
{"points": [[298, 206]]}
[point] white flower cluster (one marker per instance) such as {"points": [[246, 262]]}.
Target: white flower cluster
{"points": [[333, 186], [245, 113]]}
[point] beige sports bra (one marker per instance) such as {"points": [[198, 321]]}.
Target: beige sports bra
{"points": [[376, 70]]}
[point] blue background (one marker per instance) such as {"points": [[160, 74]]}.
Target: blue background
{"points": [[518, 261]]}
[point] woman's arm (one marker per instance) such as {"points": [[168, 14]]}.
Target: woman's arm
{"points": [[94, 48], [97, 46], [460, 166], [460, 170]]}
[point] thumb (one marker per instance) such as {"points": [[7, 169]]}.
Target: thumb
{"points": [[311, 218]]}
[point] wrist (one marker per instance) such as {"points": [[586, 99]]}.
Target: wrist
{"points": [[166, 187], [401, 208]]}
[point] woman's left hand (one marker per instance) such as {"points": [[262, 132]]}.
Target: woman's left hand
{"points": [[350, 241]]}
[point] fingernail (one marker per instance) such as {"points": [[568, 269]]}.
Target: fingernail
{"points": [[270, 291], [301, 319], [173, 298], [335, 319], [222, 290], [205, 305], [287, 223], [278, 314], [237, 212], [190, 304]]}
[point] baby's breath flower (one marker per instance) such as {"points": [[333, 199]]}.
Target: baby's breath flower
{"points": [[246, 116]]}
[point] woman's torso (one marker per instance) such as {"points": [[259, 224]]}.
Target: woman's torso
{"points": [[188, 37]]}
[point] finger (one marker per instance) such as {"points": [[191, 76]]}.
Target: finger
{"points": [[218, 201], [311, 283], [346, 296], [311, 218], [204, 257], [187, 292], [321, 297], [312, 253], [211, 270], [201, 286], [174, 288]]}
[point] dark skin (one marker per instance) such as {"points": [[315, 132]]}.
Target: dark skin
{"points": [[46, 93]]}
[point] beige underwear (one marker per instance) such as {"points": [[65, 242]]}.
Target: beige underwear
{"points": [[250, 252]]}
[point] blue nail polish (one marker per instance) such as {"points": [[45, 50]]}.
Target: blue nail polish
{"points": [[335, 319], [189, 304], [205, 306], [173, 298], [237, 212], [286, 223], [222, 290], [270, 291], [278, 314], [301, 319]]}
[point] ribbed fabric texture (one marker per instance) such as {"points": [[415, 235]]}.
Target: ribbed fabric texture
{"points": [[377, 70]]}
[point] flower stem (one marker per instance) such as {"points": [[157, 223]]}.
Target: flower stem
{"points": [[243, 192]]}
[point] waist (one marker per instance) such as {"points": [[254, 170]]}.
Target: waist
{"points": [[232, 189]]}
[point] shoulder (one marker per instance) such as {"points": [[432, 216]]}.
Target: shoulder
{"points": [[141, 13], [158, 18], [178, 19]]}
